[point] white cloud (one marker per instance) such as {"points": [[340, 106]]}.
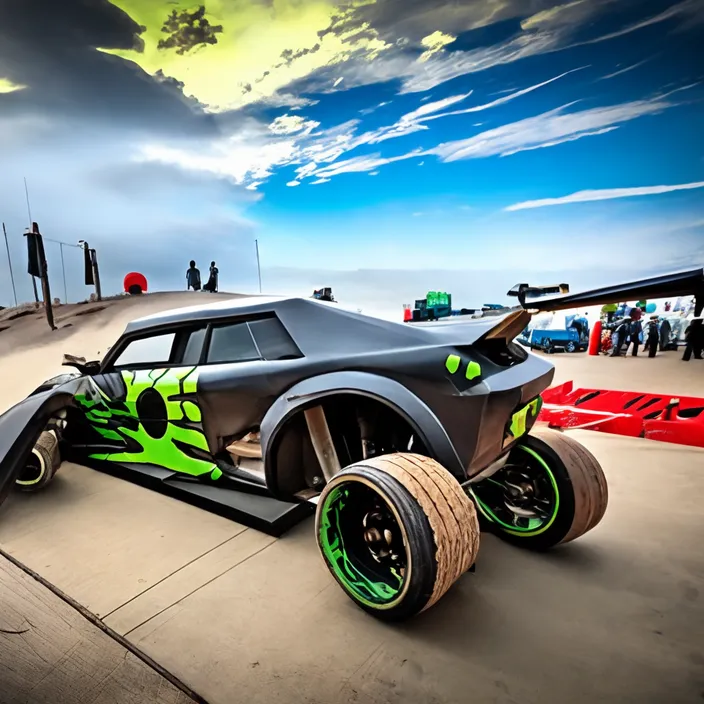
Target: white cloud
{"points": [[548, 129], [293, 183], [497, 102], [604, 194], [286, 100], [623, 70], [255, 151], [291, 124]]}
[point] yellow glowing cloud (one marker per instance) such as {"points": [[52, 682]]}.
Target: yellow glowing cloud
{"points": [[435, 42], [7, 86], [246, 63], [547, 16]]}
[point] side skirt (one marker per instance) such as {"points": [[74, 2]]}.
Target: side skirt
{"points": [[263, 513]]}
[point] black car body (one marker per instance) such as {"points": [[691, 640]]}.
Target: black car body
{"points": [[179, 390]]}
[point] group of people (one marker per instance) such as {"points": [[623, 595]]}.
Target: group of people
{"points": [[656, 335], [193, 278]]}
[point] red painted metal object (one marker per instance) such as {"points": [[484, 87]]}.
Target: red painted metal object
{"points": [[676, 419], [595, 339]]}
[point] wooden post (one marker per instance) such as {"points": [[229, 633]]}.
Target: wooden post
{"points": [[44, 276], [96, 274]]}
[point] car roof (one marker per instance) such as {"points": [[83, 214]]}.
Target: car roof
{"points": [[248, 305]]}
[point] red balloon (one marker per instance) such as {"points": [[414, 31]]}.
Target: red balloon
{"points": [[135, 283]]}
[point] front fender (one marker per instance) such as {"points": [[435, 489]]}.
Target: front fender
{"points": [[387, 391], [21, 426]]}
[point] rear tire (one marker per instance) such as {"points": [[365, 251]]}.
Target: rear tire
{"points": [[41, 465], [567, 478], [421, 516]]}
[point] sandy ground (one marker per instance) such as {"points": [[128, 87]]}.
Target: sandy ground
{"points": [[31, 352], [239, 616]]}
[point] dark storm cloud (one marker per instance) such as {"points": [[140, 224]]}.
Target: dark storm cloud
{"points": [[51, 47], [415, 19], [188, 30]]}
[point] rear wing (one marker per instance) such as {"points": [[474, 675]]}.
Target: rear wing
{"points": [[683, 283]]}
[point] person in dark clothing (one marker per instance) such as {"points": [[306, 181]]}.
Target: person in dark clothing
{"points": [[193, 277], [665, 334], [635, 330], [652, 337], [621, 337], [694, 338], [212, 283]]}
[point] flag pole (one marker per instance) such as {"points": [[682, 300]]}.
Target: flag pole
{"points": [[9, 263]]}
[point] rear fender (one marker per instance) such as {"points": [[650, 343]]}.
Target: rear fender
{"points": [[21, 426], [387, 391]]}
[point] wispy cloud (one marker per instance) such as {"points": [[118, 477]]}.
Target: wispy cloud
{"points": [[624, 70], [499, 101], [548, 129], [605, 194]]}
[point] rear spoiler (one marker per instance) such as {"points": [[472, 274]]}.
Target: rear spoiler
{"points": [[508, 327], [683, 283]]}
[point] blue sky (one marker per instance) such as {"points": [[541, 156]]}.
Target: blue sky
{"points": [[432, 145]]}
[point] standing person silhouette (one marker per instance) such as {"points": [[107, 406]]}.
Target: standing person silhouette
{"points": [[212, 284], [193, 277]]}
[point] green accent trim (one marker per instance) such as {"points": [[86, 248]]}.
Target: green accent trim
{"points": [[518, 422], [531, 530], [520, 418], [216, 474], [452, 363], [362, 588], [473, 370]]}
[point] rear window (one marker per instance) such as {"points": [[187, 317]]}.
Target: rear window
{"points": [[232, 343], [194, 346], [273, 339]]}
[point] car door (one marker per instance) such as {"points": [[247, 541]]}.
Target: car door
{"points": [[146, 404]]}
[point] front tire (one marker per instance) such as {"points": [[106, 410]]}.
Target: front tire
{"points": [[554, 478], [396, 532]]}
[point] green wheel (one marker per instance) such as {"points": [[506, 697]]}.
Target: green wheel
{"points": [[551, 490], [396, 532]]}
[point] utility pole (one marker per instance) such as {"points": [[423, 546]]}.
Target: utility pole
{"points": [[96, 273], [38, 267], [259, 271], [92, 273], [63, 271], [9, 263], [29, 215]]}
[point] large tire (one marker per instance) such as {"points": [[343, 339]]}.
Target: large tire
{"points": [[41, 465], [432, 524], [580, 492]]}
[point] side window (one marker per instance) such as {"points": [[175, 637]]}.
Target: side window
{"points": [[193, 347], [154, 350], [273, 339], [232, 343]]}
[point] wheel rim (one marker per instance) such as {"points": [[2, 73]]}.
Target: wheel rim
{"points": [[33, 470], [522, 498], [363, 540]]}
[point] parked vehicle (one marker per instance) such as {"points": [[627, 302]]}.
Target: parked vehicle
{"points": [[401, 438]]}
